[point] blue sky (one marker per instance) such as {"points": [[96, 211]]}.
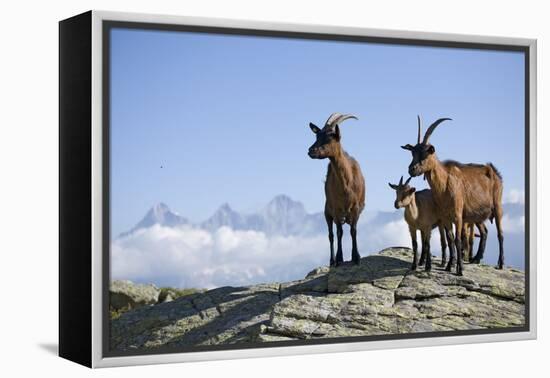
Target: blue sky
{"points": [[227, 117]]}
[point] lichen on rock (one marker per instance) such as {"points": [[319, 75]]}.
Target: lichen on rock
{"points": [[128, 295], [379, 296]]}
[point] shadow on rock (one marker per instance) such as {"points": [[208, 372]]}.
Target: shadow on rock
{"points": [[222, 315], [385, 270]]}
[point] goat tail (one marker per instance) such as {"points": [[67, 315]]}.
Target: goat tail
{"points": [[495, 172], [496, 178]]}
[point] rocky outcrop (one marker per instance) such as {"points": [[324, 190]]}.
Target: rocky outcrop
{"points": [[380, 296], [125, 295]]}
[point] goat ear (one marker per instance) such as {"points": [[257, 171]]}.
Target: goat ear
{"points": [[337, 132], [431, 149], [407, 147], [394, 187], [412, 190], [314, 128]]}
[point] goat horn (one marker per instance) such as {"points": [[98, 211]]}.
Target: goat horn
{"points": [[401, 181], [419, 129], [337, 118], [432, 128], [408, 180]]}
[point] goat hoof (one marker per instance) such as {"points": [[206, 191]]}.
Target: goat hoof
{"points": [[443, 263], [356, 261], [475, 261], [500, 266], [448, 267], [413, 267], [428, 268]]}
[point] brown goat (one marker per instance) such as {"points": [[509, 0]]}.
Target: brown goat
{"points": [[468, 240], [468, 193], [421, 215], [344, 186]]}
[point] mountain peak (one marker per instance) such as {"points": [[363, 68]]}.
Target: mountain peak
{"points": [[224, 216], [225, 207], [159, 214], [282, 215], [282, 198], [160, 208], [283, 203]]}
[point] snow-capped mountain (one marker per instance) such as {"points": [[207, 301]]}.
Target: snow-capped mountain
{"points": [[225, 216], [158, 214], [281, 216]]}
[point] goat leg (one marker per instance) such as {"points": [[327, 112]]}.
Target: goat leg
{"points": [[428, 266], [355, 256], [415, 248], [459, 251], [498, 221], [339, 253], [471, 238], [443, 240], [482, 242], [426, 250], [328, 218], [452, 247], [422, 255]]}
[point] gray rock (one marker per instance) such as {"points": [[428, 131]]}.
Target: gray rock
{"points": [[126, 295], [380, 296]]}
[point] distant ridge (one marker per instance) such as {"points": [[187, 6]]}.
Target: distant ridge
{"points": [[158, 214], [280, 216]]}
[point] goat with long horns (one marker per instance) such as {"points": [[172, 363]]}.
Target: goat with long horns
{"points": [[469, 193], [344, 185]]}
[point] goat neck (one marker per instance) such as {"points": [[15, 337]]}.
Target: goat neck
{"points": [[438, 178], [411, 210], [342, 167]]}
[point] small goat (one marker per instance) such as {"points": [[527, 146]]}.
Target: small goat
{"points": [[344, 186], [468, 193], [421, 215]]}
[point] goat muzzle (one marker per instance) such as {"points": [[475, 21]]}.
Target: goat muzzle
{"points": [[313, 153], [413, 171]]}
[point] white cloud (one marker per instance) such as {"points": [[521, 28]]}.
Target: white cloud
{"points": [[396, 234], [514, 196], [190, 257], [513, 224], [392, 234]]}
